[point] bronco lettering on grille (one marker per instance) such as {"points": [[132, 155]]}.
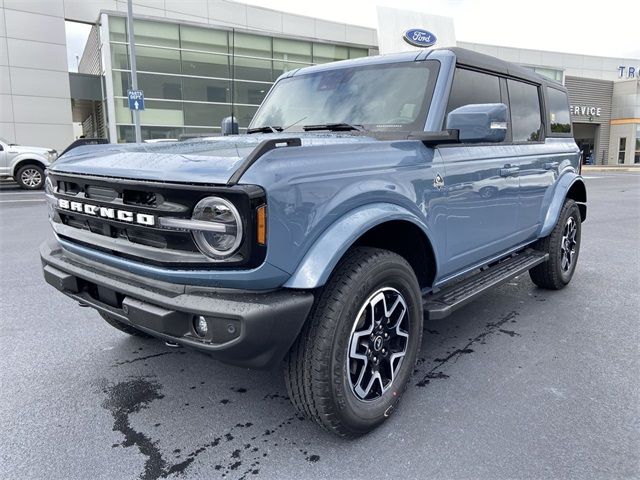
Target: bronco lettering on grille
{"points": [[106, 212]]}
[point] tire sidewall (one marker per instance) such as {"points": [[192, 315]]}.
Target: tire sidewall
{"points": [[356, 414], [28, 187]]}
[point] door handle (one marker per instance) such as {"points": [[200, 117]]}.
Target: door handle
{"points": [[508, 171], [551, 165]]}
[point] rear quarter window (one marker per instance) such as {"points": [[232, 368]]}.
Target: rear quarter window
{"points": [[558, 106]]}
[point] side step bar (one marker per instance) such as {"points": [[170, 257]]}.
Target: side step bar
{"points": [[442, 303]]}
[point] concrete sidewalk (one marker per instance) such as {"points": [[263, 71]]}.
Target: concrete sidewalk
{"points": [[611, 168]]}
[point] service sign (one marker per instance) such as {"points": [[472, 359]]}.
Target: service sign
{"points": [[419, 37]]}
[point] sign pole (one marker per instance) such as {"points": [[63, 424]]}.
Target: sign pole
{"points": [[134, 71]]}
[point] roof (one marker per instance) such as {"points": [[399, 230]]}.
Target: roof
{"points": [[463, 57], [487, 62]]}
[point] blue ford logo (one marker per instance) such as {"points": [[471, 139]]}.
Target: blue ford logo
{"points": [[419, 38]]}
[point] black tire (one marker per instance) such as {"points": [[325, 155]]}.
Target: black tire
{"points": [[30, 177], [123, 327], [556, 273], [318, 380]]}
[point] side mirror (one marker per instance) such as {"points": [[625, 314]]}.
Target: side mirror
{"points": [[482, 122], [229, 126]]}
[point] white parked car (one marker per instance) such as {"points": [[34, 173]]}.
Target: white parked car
{"points": [[25, 164]]}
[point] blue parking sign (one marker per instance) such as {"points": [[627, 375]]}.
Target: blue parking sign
{"points": [[136, 99]]}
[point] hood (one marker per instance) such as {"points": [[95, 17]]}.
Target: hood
{"points": [[26, 149], [211, 160]]}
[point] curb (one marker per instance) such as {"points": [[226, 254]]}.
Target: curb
{"points": [[609, 168]]}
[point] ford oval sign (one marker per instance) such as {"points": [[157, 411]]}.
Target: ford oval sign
{"points": [[419, 38]]}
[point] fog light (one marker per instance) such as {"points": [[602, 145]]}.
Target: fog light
{"points": [[200, 326]]}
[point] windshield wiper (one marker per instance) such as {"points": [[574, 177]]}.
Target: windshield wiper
{"points": [[265, 129], [334, 127]]}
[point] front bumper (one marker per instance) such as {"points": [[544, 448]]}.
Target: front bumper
{"points": [[246, 328]]}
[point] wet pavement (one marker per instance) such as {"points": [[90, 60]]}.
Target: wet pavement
{"points": [[523, 383]]}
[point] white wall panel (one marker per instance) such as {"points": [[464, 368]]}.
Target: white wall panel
{"points": [[227, 12], [27, 81], [28, 54], [6, 108], [5, 80], [44, 7], [4, 55], [87, 11], [32, 26], [361, 35], [44, 135], [264, 19], [8, 132], [194, 8], [3, 31], [336, 32], [41, 109], [298, 25]]}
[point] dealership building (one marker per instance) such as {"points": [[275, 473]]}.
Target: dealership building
{"points": [[200, 61]]}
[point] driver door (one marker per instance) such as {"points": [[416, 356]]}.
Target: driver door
{"points": [[481, 183]]}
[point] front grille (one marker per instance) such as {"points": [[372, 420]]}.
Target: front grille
{"points": [[142, 240]]}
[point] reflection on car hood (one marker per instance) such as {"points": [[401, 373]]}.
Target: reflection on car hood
{"points": [[26, 149], [210, 160]]}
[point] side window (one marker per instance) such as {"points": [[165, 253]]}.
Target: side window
{"points": [[526, 122], [559, 118], [473, 87]]}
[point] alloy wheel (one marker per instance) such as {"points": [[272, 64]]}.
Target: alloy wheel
{"points": [[568, 244], [31, 177], [378, 344]]}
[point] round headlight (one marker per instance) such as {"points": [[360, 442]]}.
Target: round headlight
{"points": [[216, 244]]}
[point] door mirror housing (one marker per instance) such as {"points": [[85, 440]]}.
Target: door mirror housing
{"points": [[229, 126], [479, 123]]}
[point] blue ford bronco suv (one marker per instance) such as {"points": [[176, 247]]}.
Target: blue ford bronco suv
{"points": [[366, 197]]}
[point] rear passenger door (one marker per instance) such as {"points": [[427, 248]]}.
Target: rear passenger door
{"points": [[481, 183], [538, 165]]}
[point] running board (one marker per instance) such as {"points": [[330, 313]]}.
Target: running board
{"points": [[442, 303]]}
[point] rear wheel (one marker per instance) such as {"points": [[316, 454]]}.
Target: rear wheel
{"points": [[123, 327], [353, 359], [563, 247], [30, 177]]}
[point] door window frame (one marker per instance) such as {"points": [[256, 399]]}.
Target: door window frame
{"points": [[504, 98]]}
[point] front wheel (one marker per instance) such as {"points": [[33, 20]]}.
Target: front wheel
{"points": [[30, 177], [353, 359], [563, 247]]}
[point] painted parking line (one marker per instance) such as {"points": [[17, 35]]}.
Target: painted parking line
{"points": [[19, 201], [19, 192]]}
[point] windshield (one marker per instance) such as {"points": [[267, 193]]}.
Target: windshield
{"points": [[392, 96]]}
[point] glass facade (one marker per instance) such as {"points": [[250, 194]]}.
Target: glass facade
{"points": [[552, 73], [636, 157], [193, 77]]}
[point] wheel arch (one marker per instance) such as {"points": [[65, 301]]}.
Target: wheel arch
{"points": [[570, 186], [23, 162], [384, 226], [578, 193]]}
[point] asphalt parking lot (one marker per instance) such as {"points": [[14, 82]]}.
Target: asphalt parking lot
{"points": [[523, 383]]}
